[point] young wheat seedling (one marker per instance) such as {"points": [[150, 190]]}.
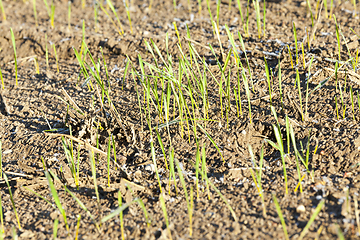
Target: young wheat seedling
{"points": [[331, 8], [12, 200], [77, 227], [211, 18], [313, 216], [303, 54], [257, 14], [257, 176], [290, 56], [52, 15], [114, 11], [55, 229], [128, 14], [82, 205], [2, 230], [241, 16], [121, 216], [296, 44], [268, 80], [1, 168], [352, 102], [15, 58], [56, 58], [338, 38], [279, 146], [35, 15], [278, 209], [2, 80], [307, 89], [311, 14], [93, 171], [56, 198], [96, 12], [218, 2], [69, 15], [118, 210], [163, 207], [2, 11]]}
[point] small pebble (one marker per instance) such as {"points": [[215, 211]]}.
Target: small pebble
{"points": [[300, 209], [137, 174], [150, 167]]}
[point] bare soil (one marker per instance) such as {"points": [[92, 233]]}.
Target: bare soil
{"points": [[39, 102]]}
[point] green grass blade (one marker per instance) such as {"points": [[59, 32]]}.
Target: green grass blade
{"points": [[15, 57], [312, 218], [12, 200], [278, 209], [117, 211], [56, 199]]}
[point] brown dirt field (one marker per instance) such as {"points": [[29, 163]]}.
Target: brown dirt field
{"points": [[44, 100]]}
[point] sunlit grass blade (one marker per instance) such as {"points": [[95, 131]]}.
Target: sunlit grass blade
{"points": [[307, 88], [299, 92], [2, 10], [257, 15], [211, 17], [108, 161], [96, 13], [128, 14], [241, 16], [182, 180], [57, 199], [268, 79], [163, 207], [278, 209], [55, 229], [296, 44], [121, 217], [257, 176], [114, 11], [34, 8], [56, 58], [312, 218], [311, 13], [117, 211], [69, 15], [12, 200], [154, 162], [247, 93], [82, 205], [1, 165], [338, 37], [204, 176], [290, 56], [47, 8], [2, 79], [93, 171], [46, 53], [77, 227], [279, 146], [15, 57], [352, 102], [212, 141], [331, 8], [218, 3], [2, 230], [37, 194], [52, 15], [142, 206], [247, 60]]}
